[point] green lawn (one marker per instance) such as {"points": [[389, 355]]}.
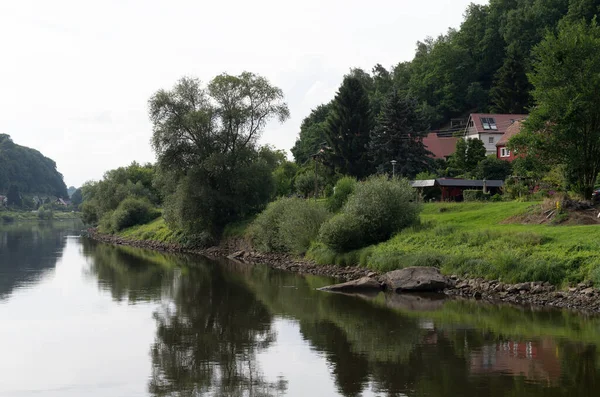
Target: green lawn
{"points": [[470, 238], [157, 230], [19, 216]]}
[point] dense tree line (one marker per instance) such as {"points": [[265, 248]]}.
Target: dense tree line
{"points": [[25, 171], [481, 67]]}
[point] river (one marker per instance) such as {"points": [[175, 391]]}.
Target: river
{"points": [[80, 318]]}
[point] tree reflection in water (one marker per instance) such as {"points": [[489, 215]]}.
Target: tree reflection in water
{"points": [[207, 338], [214, 318]]}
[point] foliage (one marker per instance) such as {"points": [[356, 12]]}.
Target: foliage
{"points": [[347, 129], [284, 178], [45, 212], [205, 141], [102, 197], [77, 198], [287, 225], [475, 195], [304, 184], [492, 168], [398, 135], [342, 191], [312, 134], [564, 127], [378, 208], [130, 212], [28, 170], [469, 152]]}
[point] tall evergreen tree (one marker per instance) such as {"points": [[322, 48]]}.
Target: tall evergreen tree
{"points": [[510, 93], [347, 129], [398, 136]]}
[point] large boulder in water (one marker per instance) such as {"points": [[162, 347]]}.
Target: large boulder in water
{"points": [[360, 285], [415, 279]]}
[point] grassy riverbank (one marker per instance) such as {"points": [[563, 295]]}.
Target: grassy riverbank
{"points": [[468, 239], [474, 239], [19, 216]]}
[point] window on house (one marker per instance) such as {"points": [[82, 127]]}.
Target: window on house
{"points": [[470, 123], [504, 152], [491, 139], [489, 123]]}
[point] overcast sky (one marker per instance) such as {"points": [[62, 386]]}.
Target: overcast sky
{"points": [[75, 76]]}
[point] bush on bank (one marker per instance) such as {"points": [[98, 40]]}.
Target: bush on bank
{"points": [[343, 189], [287, 225], [130, 212], [378, 208]]}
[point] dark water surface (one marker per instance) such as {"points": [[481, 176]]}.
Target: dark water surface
{"points": [[78, 318]]}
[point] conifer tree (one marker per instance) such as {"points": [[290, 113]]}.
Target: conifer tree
{"points": [[348, 128], [510, 93], [398, 135]]}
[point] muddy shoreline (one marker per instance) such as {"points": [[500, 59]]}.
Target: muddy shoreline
{"points": [[582, 297]]}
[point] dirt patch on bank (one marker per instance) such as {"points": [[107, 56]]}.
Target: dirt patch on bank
{"points": [[555, 212]]}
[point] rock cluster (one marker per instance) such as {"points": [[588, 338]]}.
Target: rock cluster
{"points": [[583, 296]]}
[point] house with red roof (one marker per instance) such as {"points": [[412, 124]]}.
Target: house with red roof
{"points": [[502, 152], [440, 144], [490, 128]]}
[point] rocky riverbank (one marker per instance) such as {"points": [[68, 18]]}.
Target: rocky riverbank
{"points": [[582, 297]]}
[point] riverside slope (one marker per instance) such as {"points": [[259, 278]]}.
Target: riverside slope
{"points": [[583, 297]]}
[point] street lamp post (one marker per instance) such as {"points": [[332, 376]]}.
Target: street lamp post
{"points": [[393, 168]]}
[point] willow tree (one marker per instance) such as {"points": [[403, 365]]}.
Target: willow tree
{"points": [[205, 139], [564, 127]]}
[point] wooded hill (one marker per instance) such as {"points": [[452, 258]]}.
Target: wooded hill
{"points": [[28, 170], [481, 67]]}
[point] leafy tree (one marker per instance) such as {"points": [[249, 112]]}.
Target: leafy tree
{"points": [[77, 198], [564, 127], [312, 134], [283, 177], [347, 129], [13, 196], [492, 168], [398, 135], [468, 153], [206, 145], [102, 197]]}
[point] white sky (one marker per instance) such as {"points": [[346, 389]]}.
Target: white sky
{"points": [[75, 75]]}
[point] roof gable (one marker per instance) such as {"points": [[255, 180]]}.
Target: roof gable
{"points": [[511, 131], [501, 121], [440, 146]]}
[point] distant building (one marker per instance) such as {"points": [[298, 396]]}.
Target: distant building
{"points": [[441, 144], [452, 189], [502, 152], [490, 128]]}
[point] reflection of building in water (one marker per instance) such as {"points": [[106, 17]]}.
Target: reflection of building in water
{"points": [[535, 360]]}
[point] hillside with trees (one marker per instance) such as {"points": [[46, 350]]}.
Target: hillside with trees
{"points": [[481, 67], [25, 171]]}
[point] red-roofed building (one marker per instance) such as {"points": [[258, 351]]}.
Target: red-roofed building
{"points": [[442, 146], [490, 128], [502, 151]]}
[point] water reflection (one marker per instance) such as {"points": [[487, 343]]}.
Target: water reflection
{"points": [[28, 251], [215, 319]]}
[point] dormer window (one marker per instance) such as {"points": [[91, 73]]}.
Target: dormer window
{"points": [[489, 123]]}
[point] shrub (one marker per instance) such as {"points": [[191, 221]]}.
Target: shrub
{"points": [[287, 225], [45, 212], [475, 195], [130, 212], [343, 189], [305, 184], [378, 208]]}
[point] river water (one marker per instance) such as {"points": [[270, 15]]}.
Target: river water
{"points": [[79, 318]]}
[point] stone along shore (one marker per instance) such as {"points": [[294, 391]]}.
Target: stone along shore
{"points": [[582, 297]]}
